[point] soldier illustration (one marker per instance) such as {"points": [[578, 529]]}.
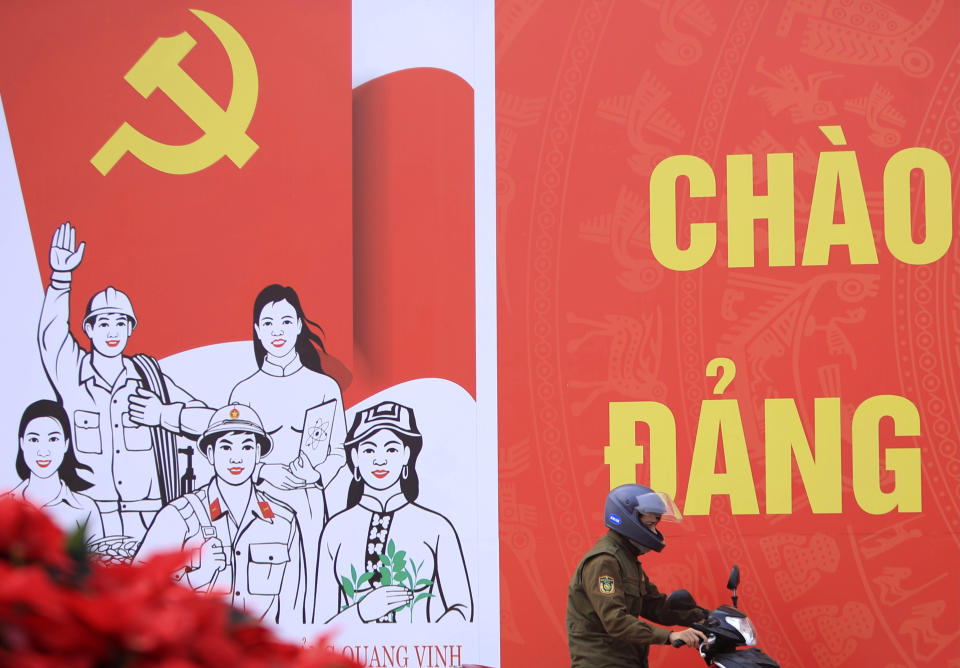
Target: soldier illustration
{"points": [[237, 541], [385, 558], [110, 397]]}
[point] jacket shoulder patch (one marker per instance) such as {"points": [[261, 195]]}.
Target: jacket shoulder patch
{"points": [[605, 585], [266, 509]]}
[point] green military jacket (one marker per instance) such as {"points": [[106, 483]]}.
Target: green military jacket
{"points": [[607, 593]]}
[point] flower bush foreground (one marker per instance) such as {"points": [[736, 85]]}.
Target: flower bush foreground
{"points": [[61, 607]]}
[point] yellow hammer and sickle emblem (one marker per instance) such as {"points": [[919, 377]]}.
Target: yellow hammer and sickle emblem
{"points": [[225, 131]]}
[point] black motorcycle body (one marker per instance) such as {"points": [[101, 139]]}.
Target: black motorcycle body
{"points": [[731, 638], [728, 628]]}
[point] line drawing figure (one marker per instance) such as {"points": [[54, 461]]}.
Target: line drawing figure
{"points": [[302, 411], [47, 465], [123, 409], [385, 558], [239, 541]]}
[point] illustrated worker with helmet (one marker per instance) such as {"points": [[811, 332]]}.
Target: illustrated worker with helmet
{"points": [[238, 541], [609, 590], [110, 396]]}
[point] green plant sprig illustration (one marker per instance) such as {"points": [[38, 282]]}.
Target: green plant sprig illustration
{"points": [[352, 584], [394, 569]]}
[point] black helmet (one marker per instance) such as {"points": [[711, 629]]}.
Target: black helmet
{"points": [[624, 506]]}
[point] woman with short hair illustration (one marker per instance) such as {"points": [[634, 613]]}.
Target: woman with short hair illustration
{"points": [[386, 558], [302, 411], [49, 468]]}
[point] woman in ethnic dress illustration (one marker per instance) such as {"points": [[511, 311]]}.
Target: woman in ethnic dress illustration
{"points": [[385, 558], [302, 411], [49, 469]]}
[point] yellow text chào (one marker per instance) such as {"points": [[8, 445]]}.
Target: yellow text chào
{"points": [[838, 179]]}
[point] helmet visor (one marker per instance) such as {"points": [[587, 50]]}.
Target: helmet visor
{"points": [[660, 504]]}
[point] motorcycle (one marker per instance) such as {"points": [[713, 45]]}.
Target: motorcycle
{"points": [[727, 629]]}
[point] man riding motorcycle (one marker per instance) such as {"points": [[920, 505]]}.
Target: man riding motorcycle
{"points": [[609, 589]]}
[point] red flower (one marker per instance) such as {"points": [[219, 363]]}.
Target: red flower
{"points": [[28, 535], [59, 613]]}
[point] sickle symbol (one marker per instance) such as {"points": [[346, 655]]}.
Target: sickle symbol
{"points": [[224, 130]]}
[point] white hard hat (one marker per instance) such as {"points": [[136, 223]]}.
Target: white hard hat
{"points": [[236, 417], [109, 300]]}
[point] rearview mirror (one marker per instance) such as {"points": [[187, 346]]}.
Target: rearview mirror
{"points": [[681, 600], [734, 580]]}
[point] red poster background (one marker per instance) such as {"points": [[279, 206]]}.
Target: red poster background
{"points": [[413, 230], [591, 96], [191, 249], [392, 285]]}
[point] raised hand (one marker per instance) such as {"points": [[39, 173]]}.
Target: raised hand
{"points": [[65, 255]]}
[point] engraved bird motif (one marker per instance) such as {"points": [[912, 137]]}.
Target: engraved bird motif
{"points": [[789, 92], [879, 113], [642, 113]]}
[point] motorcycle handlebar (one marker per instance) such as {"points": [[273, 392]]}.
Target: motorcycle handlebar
{"points": [[679, 643]]}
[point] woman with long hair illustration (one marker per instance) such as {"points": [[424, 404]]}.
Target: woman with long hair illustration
{"points": [[386, 558], [49, 469], [302, 411]]}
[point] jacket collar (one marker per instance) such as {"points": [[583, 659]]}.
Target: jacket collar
{"points": [[88, 372], [373, 504], [217, 508], [624, 543], [272, 369], [64, 496]]}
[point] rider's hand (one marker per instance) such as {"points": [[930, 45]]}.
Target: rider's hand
{"points": [[65, 255], [689, 637]]}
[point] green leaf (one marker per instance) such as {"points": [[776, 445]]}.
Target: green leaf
{"points": [[401, 576], [385, 576], [401, 555], [364, 579], [353, 572], [391, 548], [399, 564], [78, 550], [424, 583], [385, 560], [347, 586], [423, 596]]}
